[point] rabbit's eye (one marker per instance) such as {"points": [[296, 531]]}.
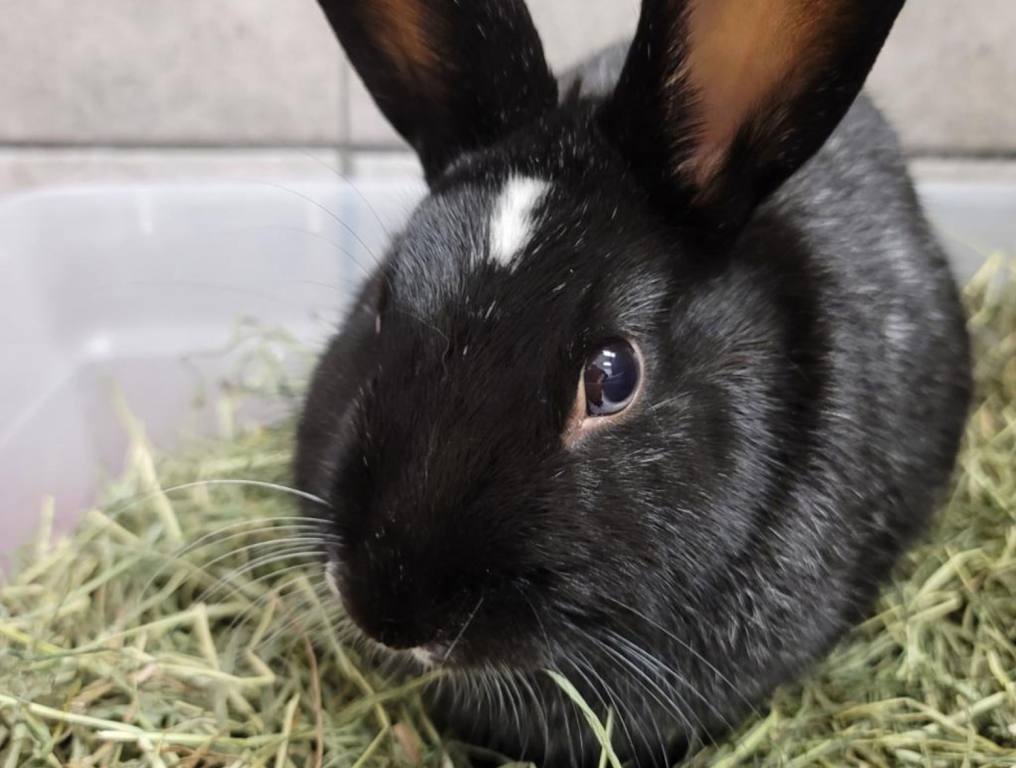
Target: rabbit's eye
{"points": [[611, 378]]}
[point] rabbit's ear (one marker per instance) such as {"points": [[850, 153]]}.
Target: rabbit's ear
{"points": [[721, 100], [450, 75]]}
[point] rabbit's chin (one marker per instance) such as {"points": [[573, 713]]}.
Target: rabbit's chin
{"points": [[526, 717]]}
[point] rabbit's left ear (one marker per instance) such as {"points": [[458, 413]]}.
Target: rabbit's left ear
{"points": [[721, 100], [450, 75]]}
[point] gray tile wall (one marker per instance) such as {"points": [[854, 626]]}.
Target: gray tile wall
{"points": [[168, 72], [86, 86]]}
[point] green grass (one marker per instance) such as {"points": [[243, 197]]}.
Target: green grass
{"points": [[163, 633]]}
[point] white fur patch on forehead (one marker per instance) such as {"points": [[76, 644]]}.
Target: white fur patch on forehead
{"points": [[512, 221]]}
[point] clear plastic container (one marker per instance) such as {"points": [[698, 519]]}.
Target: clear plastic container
{"points": [[144, 287]]}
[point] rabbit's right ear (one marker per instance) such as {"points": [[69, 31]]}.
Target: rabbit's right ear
{"points": [[450, 75]]}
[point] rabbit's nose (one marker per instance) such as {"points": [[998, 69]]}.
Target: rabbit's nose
{"points": [[392, 603]]}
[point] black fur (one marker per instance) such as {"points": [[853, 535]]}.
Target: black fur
{"points": [[468, 73], [654, 112], [806, 381]]}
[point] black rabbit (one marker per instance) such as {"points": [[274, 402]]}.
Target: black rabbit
{"points": [[654, 386]]}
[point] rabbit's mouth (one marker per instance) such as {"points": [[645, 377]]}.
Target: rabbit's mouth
{"points": [[332, 577], [427, 657]]}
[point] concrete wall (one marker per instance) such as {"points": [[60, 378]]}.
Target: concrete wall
{"points": [[124, 89]]}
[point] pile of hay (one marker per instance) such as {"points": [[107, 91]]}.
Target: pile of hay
{"points": [[121, 646]]}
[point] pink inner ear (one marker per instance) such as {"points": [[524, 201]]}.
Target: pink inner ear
{"points": [[403, 29], [741, 54]]}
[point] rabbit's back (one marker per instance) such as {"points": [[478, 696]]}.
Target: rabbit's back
{"points": [[897, 382]]}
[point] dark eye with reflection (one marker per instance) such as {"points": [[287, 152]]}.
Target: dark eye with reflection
{"points": [[611, 378]]}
